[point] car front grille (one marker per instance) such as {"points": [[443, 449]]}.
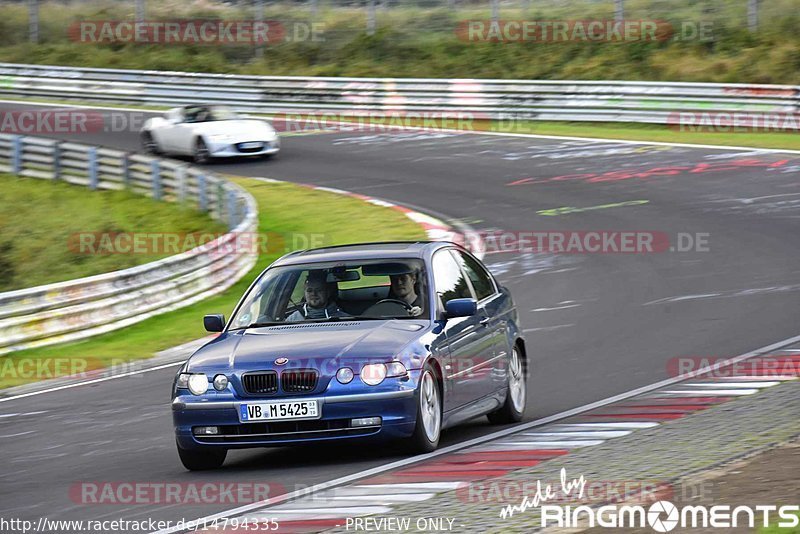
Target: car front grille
{"points": [[260, 383], [244, 149], [299, 381]]}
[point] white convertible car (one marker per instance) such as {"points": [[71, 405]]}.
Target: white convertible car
{"points": [[208, 131]]}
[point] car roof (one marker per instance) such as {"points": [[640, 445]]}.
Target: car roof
{"points": [[363, 251]]}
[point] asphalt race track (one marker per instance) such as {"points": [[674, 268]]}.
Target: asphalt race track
{"points": [[596, 324]]}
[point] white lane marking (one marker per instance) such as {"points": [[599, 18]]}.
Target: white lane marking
{"points": [[733, 385], [22, 434], [547, 328], [624, 424], [22, 414], [604, 434], [94, 381], [468, 132], [554, 308], [711, 392], [481, 440], [683, 297], [335, 511]]}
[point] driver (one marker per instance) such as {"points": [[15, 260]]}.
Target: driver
{"points": [[318, 304], [404, 287]]}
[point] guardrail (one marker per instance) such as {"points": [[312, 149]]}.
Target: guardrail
{"points": [[612, 101], [89, 306]]}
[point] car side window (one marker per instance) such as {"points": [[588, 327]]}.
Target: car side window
{"points": [[481, 280], [449, 278]]}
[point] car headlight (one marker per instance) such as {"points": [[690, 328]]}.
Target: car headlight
{"points": [[344, 375], [373, 374], [196, 382]]}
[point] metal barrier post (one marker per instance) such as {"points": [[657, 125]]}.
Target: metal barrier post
{"points": [[126, 170], [231, 210], [201, 192], [92, 168], [155, 175], [220, 202], [16, 154], [180, 175], [57, 161]]}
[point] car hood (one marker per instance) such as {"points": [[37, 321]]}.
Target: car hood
{"points": [[323, 346], [238, 128]]}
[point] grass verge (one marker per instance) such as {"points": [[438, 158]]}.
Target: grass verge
{"points": [[40, 245], [291, 214]]}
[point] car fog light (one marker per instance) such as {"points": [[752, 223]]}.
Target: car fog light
{"points": [[344, 375], [366, 421], [198, 384], [206, 431], [220, 382]]}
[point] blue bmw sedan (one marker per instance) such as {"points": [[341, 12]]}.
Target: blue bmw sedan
{"points": [[358, 342]]}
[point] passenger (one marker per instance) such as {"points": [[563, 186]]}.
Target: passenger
{"points": [[318, 304]]}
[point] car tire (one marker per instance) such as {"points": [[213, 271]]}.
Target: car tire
{"points": [[428, 427], [202, 460], [149, 144], [201, 155], [513, 408]]}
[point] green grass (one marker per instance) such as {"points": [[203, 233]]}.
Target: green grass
{"points": [[41, 221], [422, 42], [658, 133], [778, 530], [291, 214]]}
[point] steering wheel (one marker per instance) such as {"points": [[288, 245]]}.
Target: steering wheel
{"points": [[403, 303]]}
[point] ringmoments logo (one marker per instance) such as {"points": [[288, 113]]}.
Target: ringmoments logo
{"points": [[660, 516]]}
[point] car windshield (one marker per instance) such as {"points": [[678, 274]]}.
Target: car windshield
{"points": [[209, 113], [368, 289]]}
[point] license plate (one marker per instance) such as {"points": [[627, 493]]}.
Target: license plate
{"points": [[278, 411], [251, 145]]}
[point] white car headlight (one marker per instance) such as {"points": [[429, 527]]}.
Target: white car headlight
{"points": [[344, 375], [373, 374], [198, 383]]}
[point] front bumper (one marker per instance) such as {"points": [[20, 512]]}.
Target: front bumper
{"points": [[229, 150], [397, 410]]}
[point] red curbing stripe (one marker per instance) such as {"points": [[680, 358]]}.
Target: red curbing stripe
{"points": [[658, 409], [477, 467], [683, 401], [532, 454], [450, 464]]}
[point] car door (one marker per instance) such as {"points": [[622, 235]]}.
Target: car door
{"points": [[492, 310], [165, 135], [469, 341]]}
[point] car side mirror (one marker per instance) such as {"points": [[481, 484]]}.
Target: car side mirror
{"points": [[214, 323], [460, 308]]}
